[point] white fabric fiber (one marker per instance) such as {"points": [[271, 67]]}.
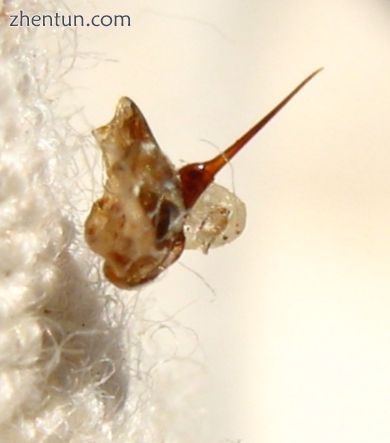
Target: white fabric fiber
{"points": [[79, 362]]}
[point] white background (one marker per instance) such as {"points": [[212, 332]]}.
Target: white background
{"points": [[297, 337]]}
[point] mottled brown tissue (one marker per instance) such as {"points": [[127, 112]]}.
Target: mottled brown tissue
{"points": [[137, 226]]}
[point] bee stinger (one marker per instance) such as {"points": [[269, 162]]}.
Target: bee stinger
{"points": [[150, 211]]}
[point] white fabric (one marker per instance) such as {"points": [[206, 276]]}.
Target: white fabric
{"points": [[78, 361]]}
